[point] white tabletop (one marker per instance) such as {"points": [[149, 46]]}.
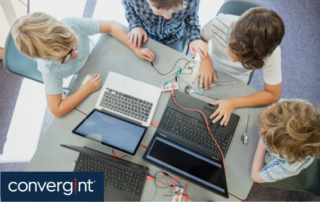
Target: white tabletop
{"points": [[111, 55]]}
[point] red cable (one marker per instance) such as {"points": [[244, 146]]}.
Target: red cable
{"points": [[118, 156], [152, 178], [186, 190], [183, 196], [126, 154], [194, 110], [155, 124]]}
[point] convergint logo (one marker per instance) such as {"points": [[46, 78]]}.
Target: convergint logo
{"points": [[67, 188], [52, 186]]}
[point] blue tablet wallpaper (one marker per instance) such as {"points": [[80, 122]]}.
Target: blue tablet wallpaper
{"points": [[103, 128]]}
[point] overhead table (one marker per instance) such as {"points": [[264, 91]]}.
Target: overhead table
{"points": [[111, 55]]}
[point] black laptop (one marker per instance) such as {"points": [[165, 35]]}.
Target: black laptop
{"points": [[123, 180], [183, 146]]}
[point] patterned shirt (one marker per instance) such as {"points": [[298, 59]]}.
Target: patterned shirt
{"points": [[277, 168], [140, 14]]}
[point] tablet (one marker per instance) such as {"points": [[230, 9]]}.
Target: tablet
{"points": [[112, 131]]}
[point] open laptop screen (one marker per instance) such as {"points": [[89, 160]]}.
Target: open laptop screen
{"points": [[111, 131], [187, 164]]}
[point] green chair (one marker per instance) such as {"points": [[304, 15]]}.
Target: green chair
{"points": [[238, 7], [17, 63], [307, 181]]}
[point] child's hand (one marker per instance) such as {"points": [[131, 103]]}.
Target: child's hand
{"points": [[200, 46], [206, 74], [224, 110], [136, 35], [145, 53], [93, 84]]}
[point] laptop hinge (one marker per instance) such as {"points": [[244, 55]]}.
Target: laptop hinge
{"points": [[123, 118]]}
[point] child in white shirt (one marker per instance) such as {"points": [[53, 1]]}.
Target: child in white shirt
{"points": [[239, 45]]}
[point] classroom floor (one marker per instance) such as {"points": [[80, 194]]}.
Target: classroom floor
{"points": [[22, 98]]}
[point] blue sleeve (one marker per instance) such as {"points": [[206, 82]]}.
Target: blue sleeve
{"points": [[131, 15], [192, 23], [86, 25], [52, 85]]}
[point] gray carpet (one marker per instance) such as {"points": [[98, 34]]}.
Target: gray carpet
{"points": [[299, 68], [300, 72], [9, 90], [299, 49]]}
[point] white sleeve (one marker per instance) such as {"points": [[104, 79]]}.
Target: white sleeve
{"points": [[272, 70], [205, 32]]}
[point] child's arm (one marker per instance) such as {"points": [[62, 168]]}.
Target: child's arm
{"points": [[193, 30], [136, 31], [119, 33], [271, 94], [59, 107], [206, 73], [258, 162]]}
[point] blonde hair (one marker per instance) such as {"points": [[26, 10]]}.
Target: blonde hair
{"points": [[292, 130], [38, 35]]}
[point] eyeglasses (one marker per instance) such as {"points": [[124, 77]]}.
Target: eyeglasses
{"points": [[68, 56]]}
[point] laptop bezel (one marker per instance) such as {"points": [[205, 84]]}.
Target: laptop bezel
{"points": [[144, 157], [108, 145]]}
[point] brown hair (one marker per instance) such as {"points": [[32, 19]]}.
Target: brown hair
{"points": [[292, 130], [38, 35], [166, 4], [255, 35]]}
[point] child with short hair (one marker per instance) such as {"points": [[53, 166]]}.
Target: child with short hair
{"points": [[62, 49], [165, 22], [289, 140], [238, 46]]}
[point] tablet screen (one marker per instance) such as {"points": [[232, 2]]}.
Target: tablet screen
{"points": [[111, 131], [188, 163]]}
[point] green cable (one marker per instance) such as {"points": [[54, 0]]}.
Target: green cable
{"points": [[156, 185], [178, 75], [164, 179], [154, 193]]}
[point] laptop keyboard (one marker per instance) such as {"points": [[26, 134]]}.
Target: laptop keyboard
{"points": [[191, 130], [126, 104], [117, 176]]}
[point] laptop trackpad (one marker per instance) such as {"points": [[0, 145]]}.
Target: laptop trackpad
{"points": [[132, 87], [111, 194], [208, 112]]}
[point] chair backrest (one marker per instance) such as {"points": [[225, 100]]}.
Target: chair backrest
{"points": [[17, 63], [238, 7], [307, 181]]}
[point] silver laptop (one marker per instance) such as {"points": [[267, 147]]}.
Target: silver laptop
{"points": [[134, 100]]}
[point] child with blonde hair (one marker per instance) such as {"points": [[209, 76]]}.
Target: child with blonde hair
{"points": [[62, 49], [289, 140]]}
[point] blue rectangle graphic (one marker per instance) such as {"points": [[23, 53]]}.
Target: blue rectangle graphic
{"points": [[52, 186]]}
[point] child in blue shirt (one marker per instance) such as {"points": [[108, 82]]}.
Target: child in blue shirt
{"points": [[62, 49], [289, 140]]}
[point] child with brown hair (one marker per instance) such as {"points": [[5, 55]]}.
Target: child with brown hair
{"points": [[289, 140], [240, 45]]}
